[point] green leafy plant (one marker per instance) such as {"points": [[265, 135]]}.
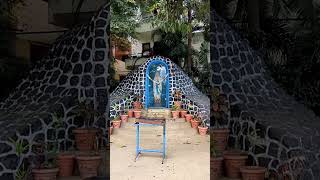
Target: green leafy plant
{"points": [[255, 140], [85, 110], [57, 121], [20, 146], [116, 118], [22, 173], [46, 155], [174, 107], [177, 95]]}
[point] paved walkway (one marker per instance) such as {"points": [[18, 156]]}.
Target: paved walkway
{"points": [[187, 153]]}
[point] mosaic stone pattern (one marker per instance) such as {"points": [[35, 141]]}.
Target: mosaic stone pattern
{"points": [[134, 85], [76, 66], [289, 139]]}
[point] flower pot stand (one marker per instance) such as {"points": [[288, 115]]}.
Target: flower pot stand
{"points": [[150, 122]]}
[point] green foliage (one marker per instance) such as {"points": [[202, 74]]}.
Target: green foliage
{"points": [[174, 107], [124, 18], [20, 146], [86, 111], [46, 155], [22, 173], [173, 41], [57, 121]]}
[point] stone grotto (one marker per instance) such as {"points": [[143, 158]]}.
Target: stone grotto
{"points": [[138, 83]]}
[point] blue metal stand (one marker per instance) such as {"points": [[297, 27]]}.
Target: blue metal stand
{"points": [[139, 150]]}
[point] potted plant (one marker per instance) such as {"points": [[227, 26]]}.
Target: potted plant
{"points": [[45, 165], [254, 172], [177, 99], [234, 160], [195, 122], [220, 110], [124, 116], [137, 113], [203, 128], [85, 137], [65, 160], [175, 112], [130, 113], [21, 147], [116, 122], [89, 164], [216, 162], [183, 113], [137, 103]]}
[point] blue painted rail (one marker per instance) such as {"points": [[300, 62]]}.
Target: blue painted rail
{"points": [[150, 122]]}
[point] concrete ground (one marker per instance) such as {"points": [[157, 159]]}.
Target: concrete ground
{"points": [[188, 155]]}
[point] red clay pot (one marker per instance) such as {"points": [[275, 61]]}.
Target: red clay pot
{"points": [[45, 174], [175, 114], [233, 161], [220, 138], [88, 165], [124, 118], [137, 114], [188, 117], [253, 172], [194, 123], [183, 113], [116, 123], [202, 130], [215, 167], [65, 164], [130, 113], [177, 103], [85, 138], [137, 105]]}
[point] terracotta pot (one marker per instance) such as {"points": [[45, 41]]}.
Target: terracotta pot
{"points": [[233, 161], [202, 130], [137, 114], [253, 172], [65, 164], [215, 167], [175, 114], [124, 118], [88, 165], [177, 103], [45, 174], [130, 113], [220, 138], [183, 113], [85, 138], [137, 105], [194, 123], [188, 117], [116, 123], [110, 130]]}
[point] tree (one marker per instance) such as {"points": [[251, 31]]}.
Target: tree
{"points": [[124, 20], [181, 16]]}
